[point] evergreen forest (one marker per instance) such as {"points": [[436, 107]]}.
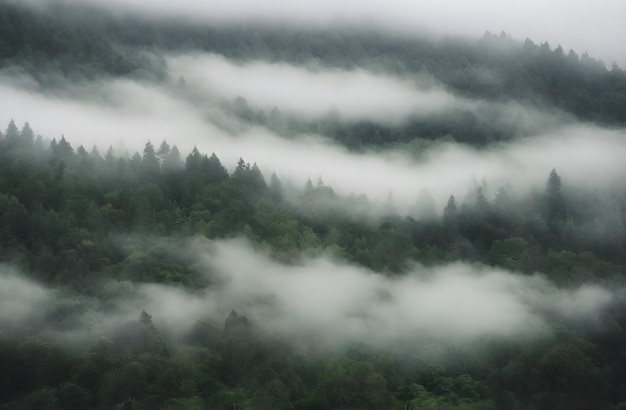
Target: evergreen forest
{"points": [[183, 244]]}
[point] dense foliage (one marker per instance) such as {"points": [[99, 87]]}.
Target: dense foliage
{"points": [[91, 225], [64, 212]]}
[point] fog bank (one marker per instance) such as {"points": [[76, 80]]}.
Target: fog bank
{"points": [[126, 114], [323, 304], [314, 93]]}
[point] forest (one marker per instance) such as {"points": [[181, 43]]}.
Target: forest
{"points": [[454, 239]]}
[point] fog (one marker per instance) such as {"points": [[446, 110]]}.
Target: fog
{"points": [[118, 112], [21, 300], [126, 114], [314, 93], [331, 302], [320, 303], [583, 25]]}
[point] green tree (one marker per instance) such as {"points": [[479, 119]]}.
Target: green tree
{"points": [[163, 152], [173, 160], [450, 211], [12, 134], [214, 170], [555, 207], [150, 162]]}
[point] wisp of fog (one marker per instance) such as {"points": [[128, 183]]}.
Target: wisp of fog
{"points": [[21, 300], [354, 95]]}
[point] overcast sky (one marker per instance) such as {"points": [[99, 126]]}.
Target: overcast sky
{"points": [[584, 25]]}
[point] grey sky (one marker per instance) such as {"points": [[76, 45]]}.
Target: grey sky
{"points": [[584, 25]]}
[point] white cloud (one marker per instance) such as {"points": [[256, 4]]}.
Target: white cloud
{"points": [[355, 94], [324, 303], [319, 303]]}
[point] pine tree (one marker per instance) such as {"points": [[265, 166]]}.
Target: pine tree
{"points": [[555, 209], [150, 162], [450, 212]]}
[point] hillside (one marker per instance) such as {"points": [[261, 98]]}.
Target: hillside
{"points": [[253, 216]]}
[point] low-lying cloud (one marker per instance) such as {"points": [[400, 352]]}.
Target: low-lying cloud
{"points": [[353, 95], [128, 113], [335, 303], [322, 304], [21, 300], [314, 93], [118, 112]]}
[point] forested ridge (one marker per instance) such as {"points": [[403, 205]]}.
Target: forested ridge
{"points": [[82, 44], [125, 277], [66, 212]]}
